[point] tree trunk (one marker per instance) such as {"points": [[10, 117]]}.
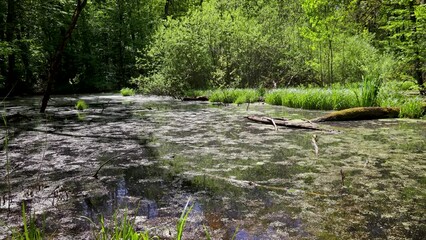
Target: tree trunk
{"points": [[56, 60], [11, 77], [167, 8]]}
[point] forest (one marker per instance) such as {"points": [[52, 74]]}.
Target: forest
{"points": [[170, 46], [212, 119]]}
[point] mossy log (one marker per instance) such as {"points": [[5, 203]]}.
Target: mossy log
{"points": [[301, 124], [360, 113]]}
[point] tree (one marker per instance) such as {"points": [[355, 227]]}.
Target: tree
{"points": [[56, 60], [405, 23]]}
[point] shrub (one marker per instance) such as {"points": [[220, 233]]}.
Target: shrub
{"points": [[127, 92]]}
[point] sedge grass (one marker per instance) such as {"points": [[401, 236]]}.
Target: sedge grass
{"points": [[30, 229], [312, 98], [125, 229]]}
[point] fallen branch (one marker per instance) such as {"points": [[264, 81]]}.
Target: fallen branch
{"points": [[103, 164], [301, 124]]}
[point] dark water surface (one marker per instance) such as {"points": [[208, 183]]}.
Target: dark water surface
{"points": [[243, 178]]}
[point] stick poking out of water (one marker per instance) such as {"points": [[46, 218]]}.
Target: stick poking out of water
{"points": [[314, 143], [103, 164], [273, 122]]}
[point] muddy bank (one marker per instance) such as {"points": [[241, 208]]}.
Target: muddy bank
{"points": [[267, 184]]}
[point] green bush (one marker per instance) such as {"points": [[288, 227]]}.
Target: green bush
{"points": [[127, 92], [81, 105]]}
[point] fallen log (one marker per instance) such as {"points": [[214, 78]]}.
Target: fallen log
{"points": [[360, 113], [301, 124], [199, 98]]}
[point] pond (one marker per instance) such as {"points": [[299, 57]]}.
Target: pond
{"points": [[145, 156]]}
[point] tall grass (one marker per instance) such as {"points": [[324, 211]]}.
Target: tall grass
{"points": [[182, 220], [369, 92], [124, 228], [30, 229], [312, 98]]}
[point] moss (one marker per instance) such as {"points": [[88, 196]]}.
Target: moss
{"points": [[360, 113]]}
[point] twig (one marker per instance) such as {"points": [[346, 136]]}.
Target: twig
{"points": [[248, 105], [342, 175]]}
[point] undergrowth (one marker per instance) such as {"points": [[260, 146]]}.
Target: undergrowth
{"points": [[127, 92]]}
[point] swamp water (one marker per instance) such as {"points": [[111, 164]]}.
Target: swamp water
{"points": [[243, 178]]}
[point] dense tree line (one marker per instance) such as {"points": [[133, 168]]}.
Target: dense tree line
{"points": [[168, 46]]}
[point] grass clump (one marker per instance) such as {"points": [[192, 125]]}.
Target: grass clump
{"points": [[122, 229], [30, 229], [125, 228], [127, 92], [81, 105], [369, 92], [312, 98], [412, 108]]}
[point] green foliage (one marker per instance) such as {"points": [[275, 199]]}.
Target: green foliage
{"points": [[313, 98], [369, 92], [182, 220], [237, 96], [122, 229], [127, 92], [408, 85], [216, 47], [412, 108], [30, 231], [81, 105]]}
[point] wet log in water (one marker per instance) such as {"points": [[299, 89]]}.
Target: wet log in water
{"points": [[359, 113], [200, 98], [302, 124], [351, 114]]}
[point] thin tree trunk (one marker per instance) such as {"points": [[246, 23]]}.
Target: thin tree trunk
{"points": [[56, 60], [11, 77]]}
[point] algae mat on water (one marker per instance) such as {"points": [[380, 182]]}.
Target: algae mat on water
{"points": [[366, 182]]}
